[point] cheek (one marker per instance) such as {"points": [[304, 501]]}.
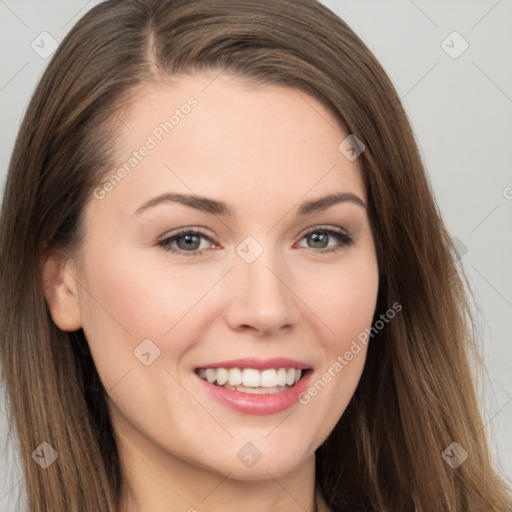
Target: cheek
{"points": [[343, 298], [128, 298], [145, 298], [347, 310], [344, 303]]}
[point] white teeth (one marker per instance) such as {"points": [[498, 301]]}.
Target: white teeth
{"points": [[211, 375], [268, 378], [235, 377], [281, 377], [222, 376], [271, 380], [290, 376], [251, 378]]}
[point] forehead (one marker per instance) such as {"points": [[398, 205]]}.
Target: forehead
{"points": [[218, 136]]}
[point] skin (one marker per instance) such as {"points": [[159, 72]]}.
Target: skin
{"points": [[263, 150]]}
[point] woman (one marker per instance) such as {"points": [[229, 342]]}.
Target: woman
{"points": [[296, 351]]}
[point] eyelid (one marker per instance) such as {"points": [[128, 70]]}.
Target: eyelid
{"points": [[323, 227], [200, 230]]}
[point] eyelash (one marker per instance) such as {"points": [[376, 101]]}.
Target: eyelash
{"points": [[345, 241]]}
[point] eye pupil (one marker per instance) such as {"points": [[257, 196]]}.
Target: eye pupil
{"points": [[318, 238], [188, 245]]}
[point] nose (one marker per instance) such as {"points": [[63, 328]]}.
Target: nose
{"points": [[261, 296]]}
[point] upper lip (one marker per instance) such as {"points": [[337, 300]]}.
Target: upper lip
{"points": [[259, 364]]}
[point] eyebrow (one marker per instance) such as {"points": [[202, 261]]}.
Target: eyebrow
{"points": [[220, 208]]}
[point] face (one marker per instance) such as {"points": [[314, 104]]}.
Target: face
{"points": [[258, 284]]}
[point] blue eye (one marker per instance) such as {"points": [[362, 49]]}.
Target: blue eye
{"points": [[188, 241], [185, 239], [320, 236]]}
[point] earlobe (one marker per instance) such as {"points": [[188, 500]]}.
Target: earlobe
{"points": [[61, 290]]}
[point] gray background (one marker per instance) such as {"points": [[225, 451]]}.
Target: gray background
{"points": [[460, 108]]}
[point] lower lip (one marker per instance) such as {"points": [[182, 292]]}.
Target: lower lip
{"points": [[270, 403]]}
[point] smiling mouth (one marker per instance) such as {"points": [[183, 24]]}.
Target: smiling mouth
{"points": [[251, 380]]}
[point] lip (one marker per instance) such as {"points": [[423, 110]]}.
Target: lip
{"points": [[270, 403], [259, 364]]}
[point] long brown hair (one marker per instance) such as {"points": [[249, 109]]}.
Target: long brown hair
{"points": [[416, 395]]}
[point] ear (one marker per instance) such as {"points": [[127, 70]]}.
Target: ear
{"points": [[61, 287]]}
